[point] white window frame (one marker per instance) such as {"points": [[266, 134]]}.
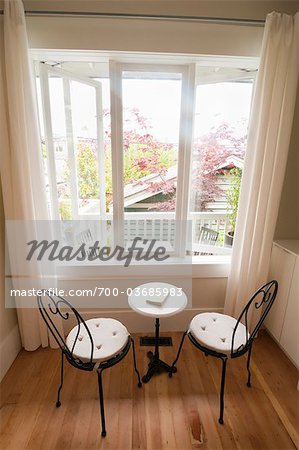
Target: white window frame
{"points": [[187, 73], [45, 71], [222, 256], [216, 266]]}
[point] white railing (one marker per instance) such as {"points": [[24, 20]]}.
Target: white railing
{"points": [[161, 225], [215, 221]]}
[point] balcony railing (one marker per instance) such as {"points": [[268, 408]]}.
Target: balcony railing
{"points": [[162, 227]]}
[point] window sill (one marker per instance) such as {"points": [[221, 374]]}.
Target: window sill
{"points": [[214, 266]]}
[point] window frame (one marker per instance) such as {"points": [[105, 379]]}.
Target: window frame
{"points": [[187, 73], [251, 74], [202, 267], [45, 70]]}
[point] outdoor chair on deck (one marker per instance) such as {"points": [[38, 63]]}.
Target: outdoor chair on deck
{"points": [[92, 345], [86, 237], [225, 337], [208, 237]]}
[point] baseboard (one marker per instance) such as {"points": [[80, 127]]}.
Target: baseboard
{"points": [[9, 349], [137, 323]]}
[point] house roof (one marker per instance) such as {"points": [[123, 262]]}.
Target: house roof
{"points": [[230, 162], [138, 191]]}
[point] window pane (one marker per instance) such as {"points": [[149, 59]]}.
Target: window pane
{"points": [[151, 115], [84, 114], [151, 120], [60, 147], [220, 134], [75, 131], [89, 147]]}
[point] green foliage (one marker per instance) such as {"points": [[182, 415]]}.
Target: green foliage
{"points": [[140, 161], [87, 169], [88, 182], [65, 210], [44, 151], [233, 194]]}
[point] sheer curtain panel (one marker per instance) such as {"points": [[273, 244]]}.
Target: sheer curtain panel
{"points": [[267, 151], [21, 161]]}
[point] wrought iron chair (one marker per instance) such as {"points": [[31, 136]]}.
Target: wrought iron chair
{"points": [[225, 337], [94, 344]]}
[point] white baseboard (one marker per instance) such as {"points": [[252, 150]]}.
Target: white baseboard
{"points": [[137, 323], [9, 349]]}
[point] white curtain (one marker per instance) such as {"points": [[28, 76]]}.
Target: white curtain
{"points": [[264, 168], [21, 161]]}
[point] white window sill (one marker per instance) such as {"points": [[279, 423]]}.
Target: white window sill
{"points": [[214, 266]]}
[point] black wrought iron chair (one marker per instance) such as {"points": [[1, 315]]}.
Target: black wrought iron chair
{"points": [[94, 344], [225, 337]]}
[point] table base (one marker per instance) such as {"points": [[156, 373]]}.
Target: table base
{"points": [[150, 341], [156, 365]]}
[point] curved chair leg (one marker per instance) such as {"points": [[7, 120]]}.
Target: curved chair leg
{"points": [[224, 361], [248, 367], [101, 402], [135, 365], [58, 403], [173, 369]]}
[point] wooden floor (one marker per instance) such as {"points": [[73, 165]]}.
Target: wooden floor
{"points": [[177, 413]]}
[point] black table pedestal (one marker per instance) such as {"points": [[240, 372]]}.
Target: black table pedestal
{"points": [[156, 365]]}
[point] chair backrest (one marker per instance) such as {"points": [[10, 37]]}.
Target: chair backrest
{"points": [[53, 305], [263, 298], [208, 236]]}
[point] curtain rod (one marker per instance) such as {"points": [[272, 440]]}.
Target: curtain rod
{"points": [[227, 20]]}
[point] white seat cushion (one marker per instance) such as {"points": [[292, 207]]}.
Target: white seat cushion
{"points": [[214, 331], [109, 337]]}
